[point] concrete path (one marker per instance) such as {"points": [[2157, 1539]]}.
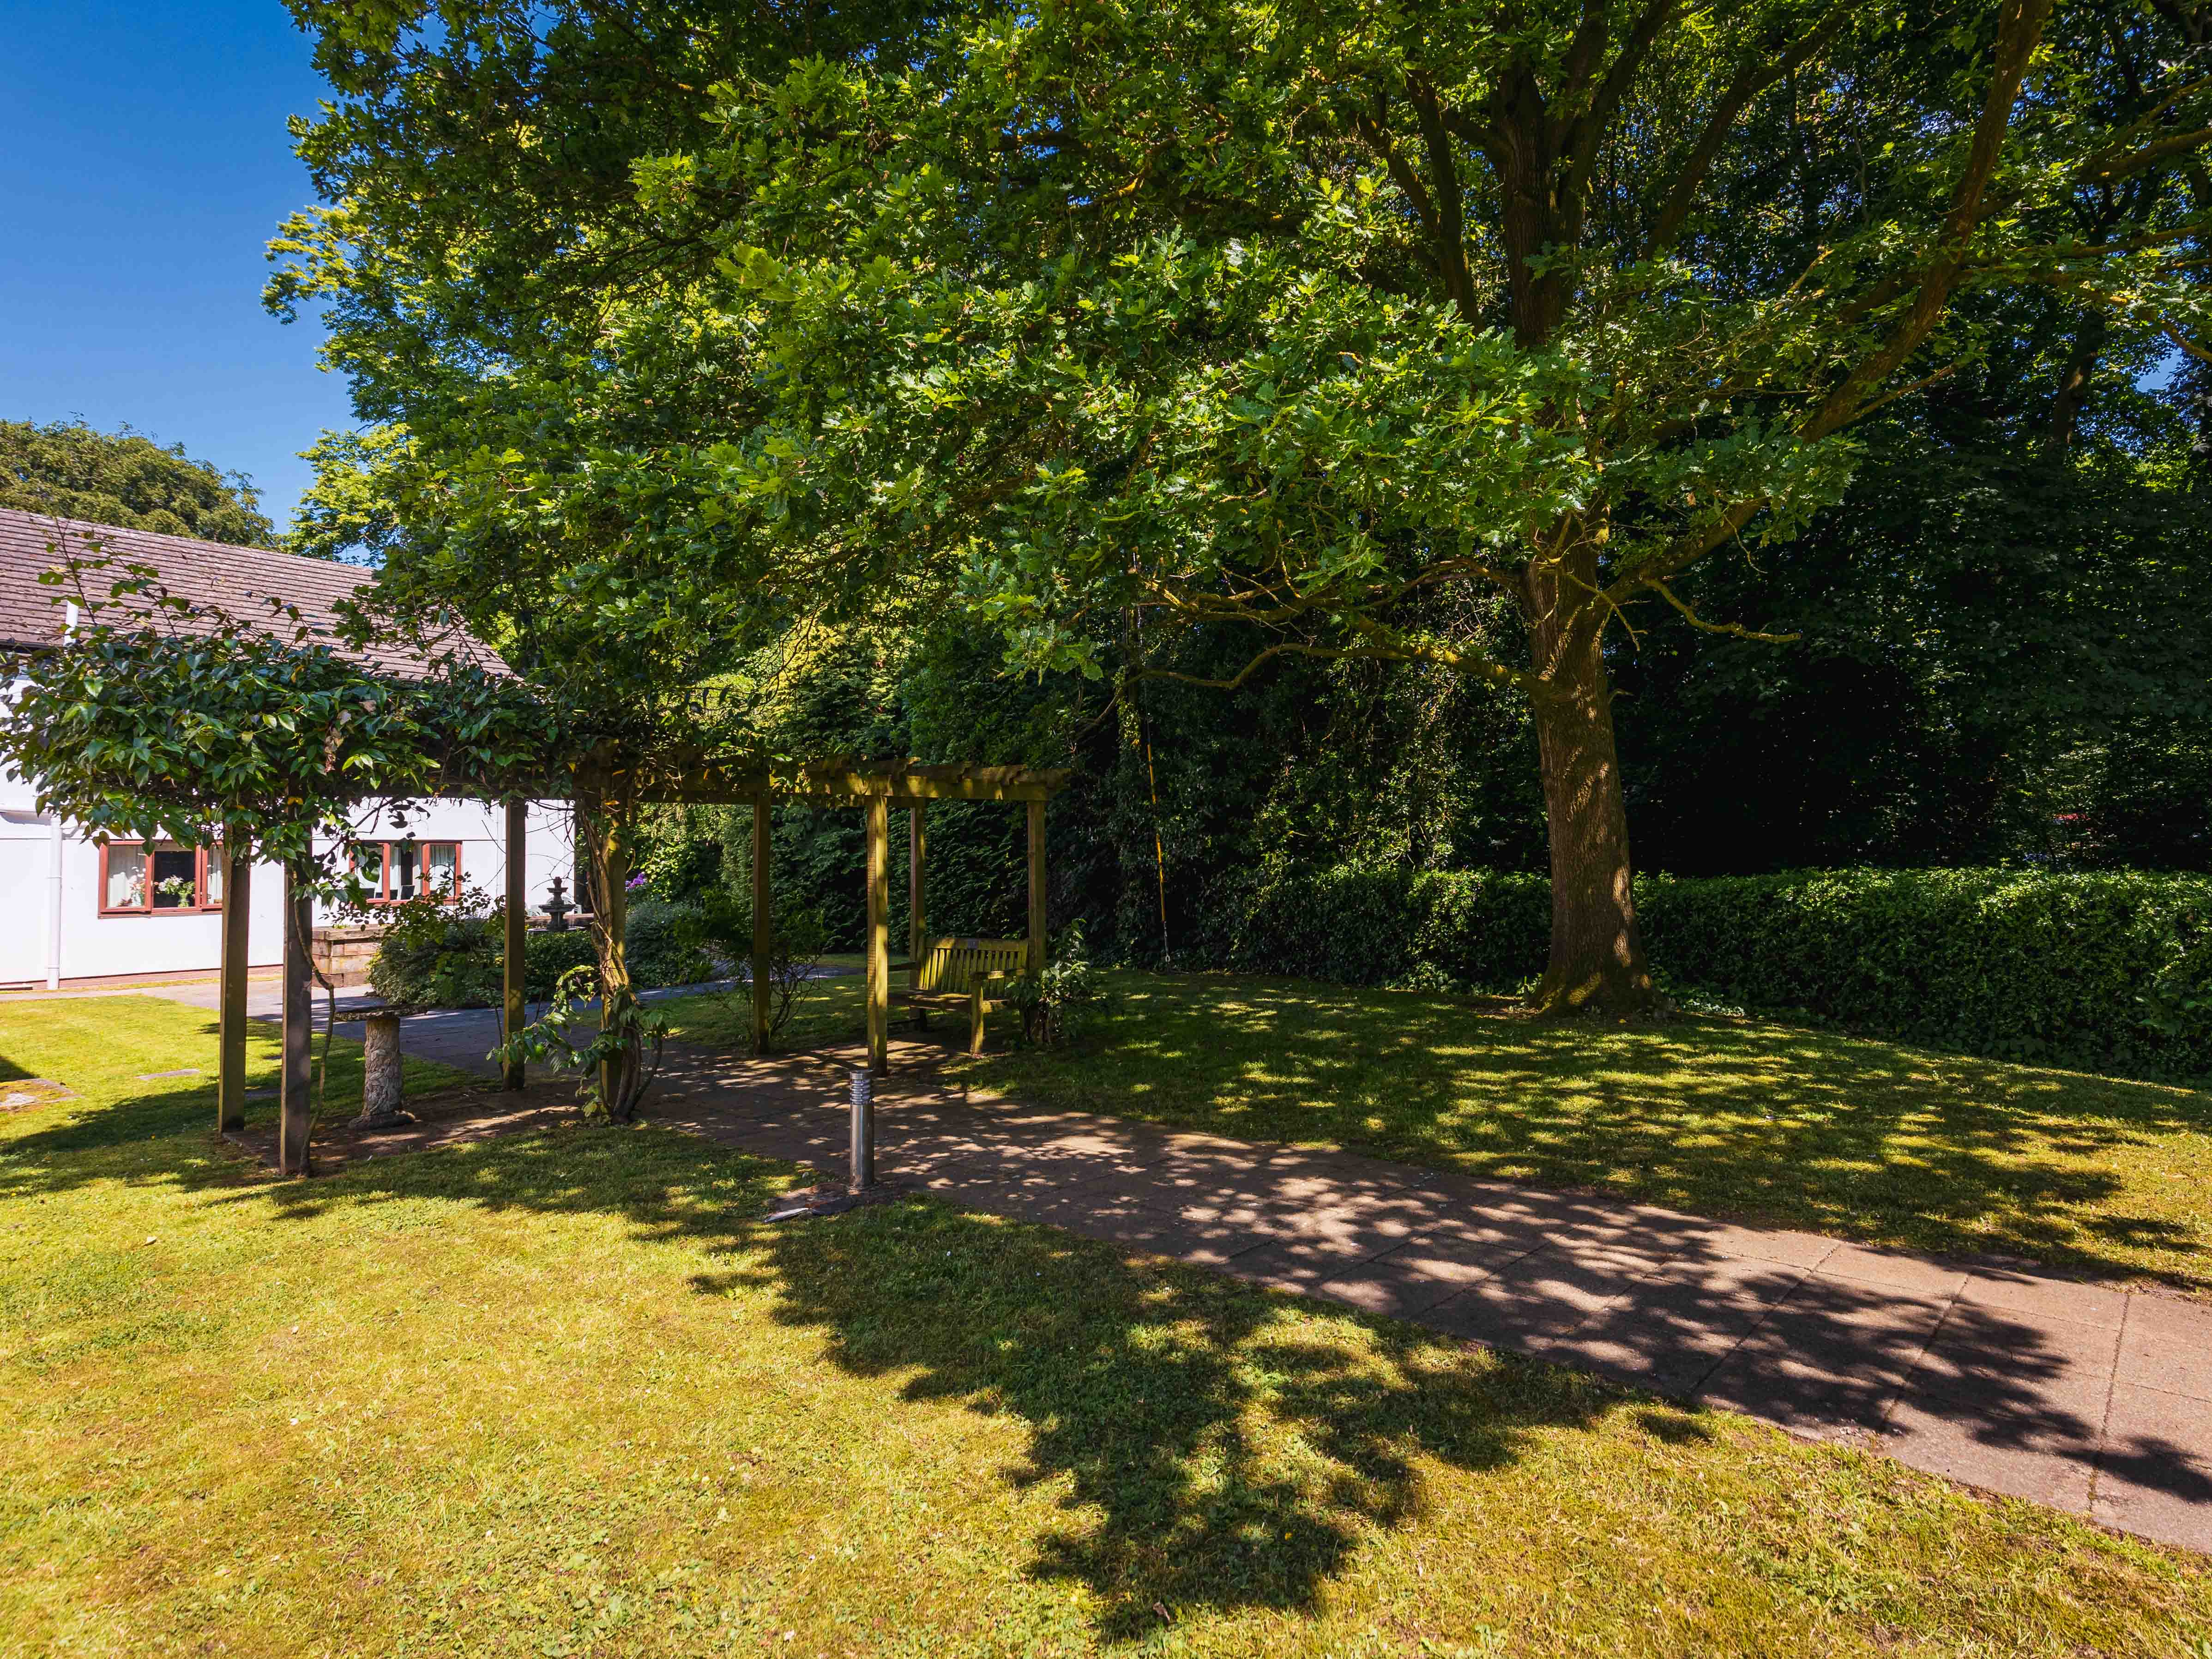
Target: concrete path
{"points": [[2089, 1399]]}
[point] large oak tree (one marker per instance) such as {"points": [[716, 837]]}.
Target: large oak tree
{"points": [[1295, 318]]}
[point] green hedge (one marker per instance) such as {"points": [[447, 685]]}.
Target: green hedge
{"points": [[547, 955], [2111, 972], [456, 963]]}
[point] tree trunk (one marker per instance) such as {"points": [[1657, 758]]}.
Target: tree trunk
{"points": [[1597, 963], [624, 1075], [383, 1085]]}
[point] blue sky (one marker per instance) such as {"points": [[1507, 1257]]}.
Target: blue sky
{"points": [[144, 166]]}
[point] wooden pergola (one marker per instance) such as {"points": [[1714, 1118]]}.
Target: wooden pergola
{"points": [[873, 785]]}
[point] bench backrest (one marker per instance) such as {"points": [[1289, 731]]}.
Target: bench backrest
{"points": [[955, 965]]}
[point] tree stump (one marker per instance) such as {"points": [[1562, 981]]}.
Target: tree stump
{"points": [[382, 1086]]}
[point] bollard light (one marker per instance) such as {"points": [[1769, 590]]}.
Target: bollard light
{"points": [[864, 1129]]}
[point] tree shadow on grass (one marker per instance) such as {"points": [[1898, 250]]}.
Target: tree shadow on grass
{"points": [[41, 1150], [1214, 1447], [1737, 1119]]}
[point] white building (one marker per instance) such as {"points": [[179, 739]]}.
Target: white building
{"points": [[76, 911]]}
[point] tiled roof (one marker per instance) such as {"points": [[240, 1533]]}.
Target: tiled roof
{"points": [[240, 579]]}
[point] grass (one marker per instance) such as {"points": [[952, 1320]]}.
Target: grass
{"points": [[109, 1049], [563, 1395], [1743, 1119], [827, 1009]]}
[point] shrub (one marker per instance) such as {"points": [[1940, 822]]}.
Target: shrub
{"points": [[665, 944], [797, 939], [436, 955], [547, 955], [2109, 971], [1058, 1004]]}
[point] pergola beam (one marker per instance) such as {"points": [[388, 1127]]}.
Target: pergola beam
{"points": [[917, 889], [1037, 886], [853, 782]]}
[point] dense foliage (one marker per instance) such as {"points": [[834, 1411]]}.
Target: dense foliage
{"points": [[1188, 338], [125, 478], [171, 719], [2111, 972], [434, 955]]}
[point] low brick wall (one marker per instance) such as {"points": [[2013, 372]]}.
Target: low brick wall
{"points": [[343, 954]]}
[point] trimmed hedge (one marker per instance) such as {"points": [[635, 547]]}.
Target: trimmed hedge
{"points": [[2108, 972]]}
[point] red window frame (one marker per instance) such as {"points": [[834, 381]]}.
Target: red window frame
{"points": [[203, 858], [390, 863]]}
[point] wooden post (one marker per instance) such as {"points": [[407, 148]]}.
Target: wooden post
{"points": [[763, 925], [1036, 887], [230, 1018], [296, 1088], [879, 933], [917, 931], [514, 1012]]}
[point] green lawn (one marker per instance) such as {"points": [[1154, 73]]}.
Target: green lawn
{"points": [[1744, 1119], [827, 1009], [561, 1395], [110, 1048]]}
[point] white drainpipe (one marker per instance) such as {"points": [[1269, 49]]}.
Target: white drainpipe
{"points": [[54, 912]]}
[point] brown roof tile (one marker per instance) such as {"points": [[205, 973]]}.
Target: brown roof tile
{"points": [[240, 579]]}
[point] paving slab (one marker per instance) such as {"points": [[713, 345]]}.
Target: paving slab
{"points": [[2021, 1365], [1530, 1301], [2088, 1398], [1396, 1287], [2167, 1348], [2155, 1466], [1892, 1270], [2043, 1296], [1676, 1325], [1952, 1435]]}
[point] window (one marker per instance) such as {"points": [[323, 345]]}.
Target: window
{"points": [[398, 870], [160, 878]]}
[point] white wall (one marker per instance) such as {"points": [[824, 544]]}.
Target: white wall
{"points": [[25, 866], [93, 945]]}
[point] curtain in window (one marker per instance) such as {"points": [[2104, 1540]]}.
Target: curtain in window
{"points": [[126, 877], [441, 867]]}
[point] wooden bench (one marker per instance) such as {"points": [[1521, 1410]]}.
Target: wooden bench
{"points": [[953, 973]]}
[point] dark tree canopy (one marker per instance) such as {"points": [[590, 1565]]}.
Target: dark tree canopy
{"points": [[125, 478]]}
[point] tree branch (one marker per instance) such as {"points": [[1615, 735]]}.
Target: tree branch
{"points": [[1735, 629], [1588, 130], [1750, 82], [1450, 228], [2020, 30]]}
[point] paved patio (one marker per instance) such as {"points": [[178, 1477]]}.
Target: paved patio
{"points": [[2089, 1399]]}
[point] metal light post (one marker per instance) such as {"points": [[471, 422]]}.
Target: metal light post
{"points": [[864, 1129]]}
